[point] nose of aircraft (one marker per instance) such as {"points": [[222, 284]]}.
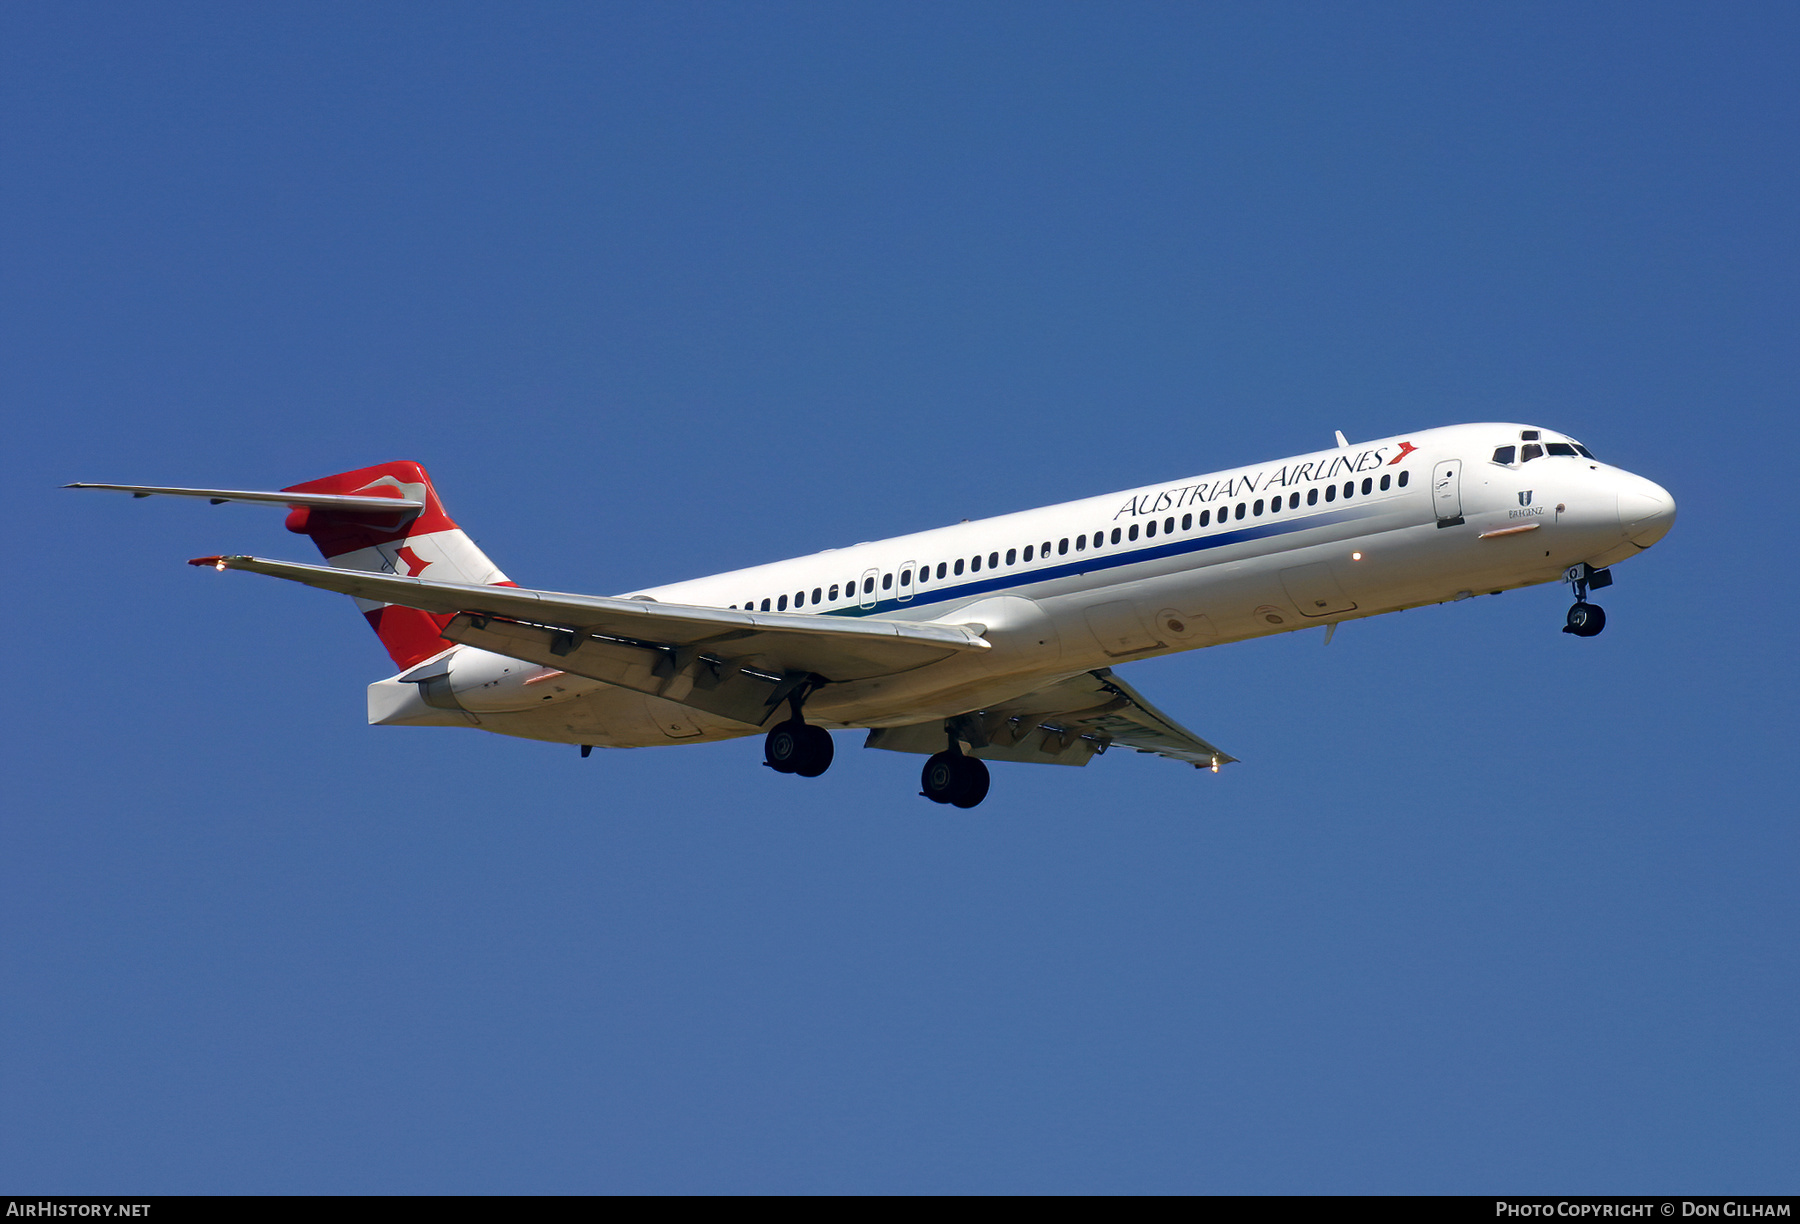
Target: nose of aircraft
{"points": [[1646, 511]]}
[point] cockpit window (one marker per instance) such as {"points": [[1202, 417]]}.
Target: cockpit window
{"points": [[1530, 451], [1584, 452], [1528, 435], [1563, 449], [1504, 454]]}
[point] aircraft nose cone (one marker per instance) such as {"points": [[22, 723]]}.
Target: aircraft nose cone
{"points": [[1646, 512]]}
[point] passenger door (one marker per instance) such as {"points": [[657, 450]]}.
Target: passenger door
{"points": [[1446, 492]]}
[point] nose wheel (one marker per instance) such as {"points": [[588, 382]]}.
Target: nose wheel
{"points": [[1585, 619]]}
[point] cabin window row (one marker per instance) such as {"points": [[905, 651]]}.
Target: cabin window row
{"points": [[1081, 543]]}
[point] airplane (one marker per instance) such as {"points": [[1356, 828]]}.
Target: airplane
{"points": [[985, 641]]}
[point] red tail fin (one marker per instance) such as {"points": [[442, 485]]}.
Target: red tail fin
{"points": [[424, 542]]}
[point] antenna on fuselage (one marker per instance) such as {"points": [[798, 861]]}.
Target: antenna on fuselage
{"points": [[1343, 442]]}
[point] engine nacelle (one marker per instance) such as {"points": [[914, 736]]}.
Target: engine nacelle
{"points": [[485, 683]]}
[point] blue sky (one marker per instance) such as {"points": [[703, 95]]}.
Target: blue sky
{"points": [[660, 290]]}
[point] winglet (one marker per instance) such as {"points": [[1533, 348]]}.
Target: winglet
{"points": [[217, 563]]}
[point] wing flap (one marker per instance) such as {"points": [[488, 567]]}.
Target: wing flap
{"points": [[712, 680]]}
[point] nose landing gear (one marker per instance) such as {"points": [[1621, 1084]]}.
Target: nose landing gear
{"points": [[1585, 619]]}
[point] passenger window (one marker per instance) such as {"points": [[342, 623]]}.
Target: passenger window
{"points": [[765, 605], [1257, 508], [868, 586], [781, 604], [1062, 547], [1012, 556], [1330, 492], [887, 582], [1045, 550], [1505, 454], [1115, 535], [1205, 517], [1187, 522], [959, 566], [1312, 497], [993, 560], [1349, 487], [1028, 553], [1132, 534], [1530, 452], [1293, 501], [940, 569], [1402, 481], [1385, 482], [975, 565], [1099, 538], [834, 591], [1561, 448], [1274, 504], [1081, 542], [1150, 529], [1168, 525], [1368, 485], [905, 577], [1240, 509], [800, 599]]}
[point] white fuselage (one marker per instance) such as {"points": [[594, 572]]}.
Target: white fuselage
{"points": [[1269, 548]]}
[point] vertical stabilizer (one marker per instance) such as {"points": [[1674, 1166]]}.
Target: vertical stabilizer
{"points": [[409, 542]]}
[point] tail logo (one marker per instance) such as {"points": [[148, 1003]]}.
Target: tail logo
{"points": [[409, 490], [414, 563]]}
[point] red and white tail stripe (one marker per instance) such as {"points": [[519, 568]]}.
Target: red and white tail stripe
{"points": [[414, 543]]}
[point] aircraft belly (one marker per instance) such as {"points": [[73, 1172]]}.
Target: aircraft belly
{"points": [[612, 717]]}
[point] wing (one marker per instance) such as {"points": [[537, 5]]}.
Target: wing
{"points": [[1066, 723], [737, 664]]}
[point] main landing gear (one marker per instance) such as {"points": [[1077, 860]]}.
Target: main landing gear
{"points": [[1585, 619], [796, 746], [950, 777]]}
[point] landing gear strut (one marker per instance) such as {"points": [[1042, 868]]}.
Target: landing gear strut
{"points": [[796, 746], [1585, 619], [950, 777]]}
